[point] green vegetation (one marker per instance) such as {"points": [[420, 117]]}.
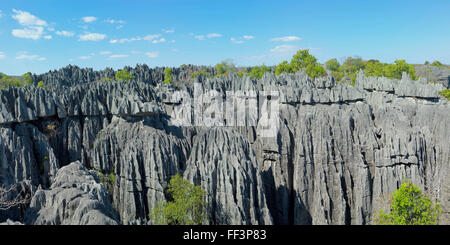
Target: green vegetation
{"points": [[186, 208], [6, 80], [426, 62], [41, 84], [27, 78], [445, 93], [123, 76], [224, 67], [409, 206], [168, 75], [396, 70], [203, 73], [439, 64], [107, 79], [107, 180], [258, 71], [302, 60]]}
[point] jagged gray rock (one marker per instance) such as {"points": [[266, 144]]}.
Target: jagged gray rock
{"points": [[74, 198], [338, 152]]}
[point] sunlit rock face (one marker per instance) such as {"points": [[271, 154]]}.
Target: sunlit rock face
{"points": [[336, 153]]}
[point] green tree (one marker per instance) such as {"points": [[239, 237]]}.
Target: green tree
{"points": [[438, 64], [27, 78], [374, 68], [283, 67], [333, 65], [203, 73], [224, 67], [427, 62], [445, 93], [258, 71], [409, 206], [396, 70], [168, 75], [187, 206], [123, 76], [41, 84]]}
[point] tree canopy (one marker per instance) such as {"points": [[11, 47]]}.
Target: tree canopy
{"points": [[187, 206], [123, 76], [409, 206]]}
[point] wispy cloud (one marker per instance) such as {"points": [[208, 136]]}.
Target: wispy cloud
{"points": [[26, 56], [1, 15], [209, 36], [34, 26], [242, 39], [154, 54], [133, 39], [85, 57], [48, 37], [89, 19], [105, 53], [2, 55], [118, 56], [30, 33], [286, 39], [27, 19], [284, 49], [159, 40], [111, 21], [169, 31], [92, 37], [65, 33]]}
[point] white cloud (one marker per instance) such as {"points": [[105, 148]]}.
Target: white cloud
{"points": [[151, 37], [105, 52], [285, 39], [200, 37], [135, 52], [2, 55], [159, 40], [34, 27], [25, 56], [284, 49], [212, 35], [113, 41], [118, 56], [169, 31], [65, 33], [174, 50], [30, 33], [248, 37], [27, 19], [119, 27], [89, 19], [48, 37], [234, 40], [209, 36], [111, 21], [50, 29], [92, 37], [154, 54]]}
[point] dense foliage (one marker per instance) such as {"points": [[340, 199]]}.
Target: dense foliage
{"points": [[302, 60], [224, 68], [186, 208], [203, 73], [352, 65], [168, 75], [258, 71], [445, 93], [409, 206], [6, 80], [123, 76]]}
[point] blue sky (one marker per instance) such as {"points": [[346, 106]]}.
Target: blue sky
{"points": [[43, 35]]}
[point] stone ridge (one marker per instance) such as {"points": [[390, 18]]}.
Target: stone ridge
{"points": [[338, 152]]}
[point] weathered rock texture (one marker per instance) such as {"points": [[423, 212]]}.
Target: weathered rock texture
{"points": [[338, 152], [74, 198]]}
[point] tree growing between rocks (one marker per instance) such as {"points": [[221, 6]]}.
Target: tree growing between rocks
{"points": [[168, 75], [123, 76], [302, 60], [187, 205], [409, 206]]}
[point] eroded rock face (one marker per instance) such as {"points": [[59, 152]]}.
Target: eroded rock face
{"points": [[336, 155], [74, 198]]}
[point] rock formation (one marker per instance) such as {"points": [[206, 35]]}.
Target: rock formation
{"points": [[337, 154]]}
